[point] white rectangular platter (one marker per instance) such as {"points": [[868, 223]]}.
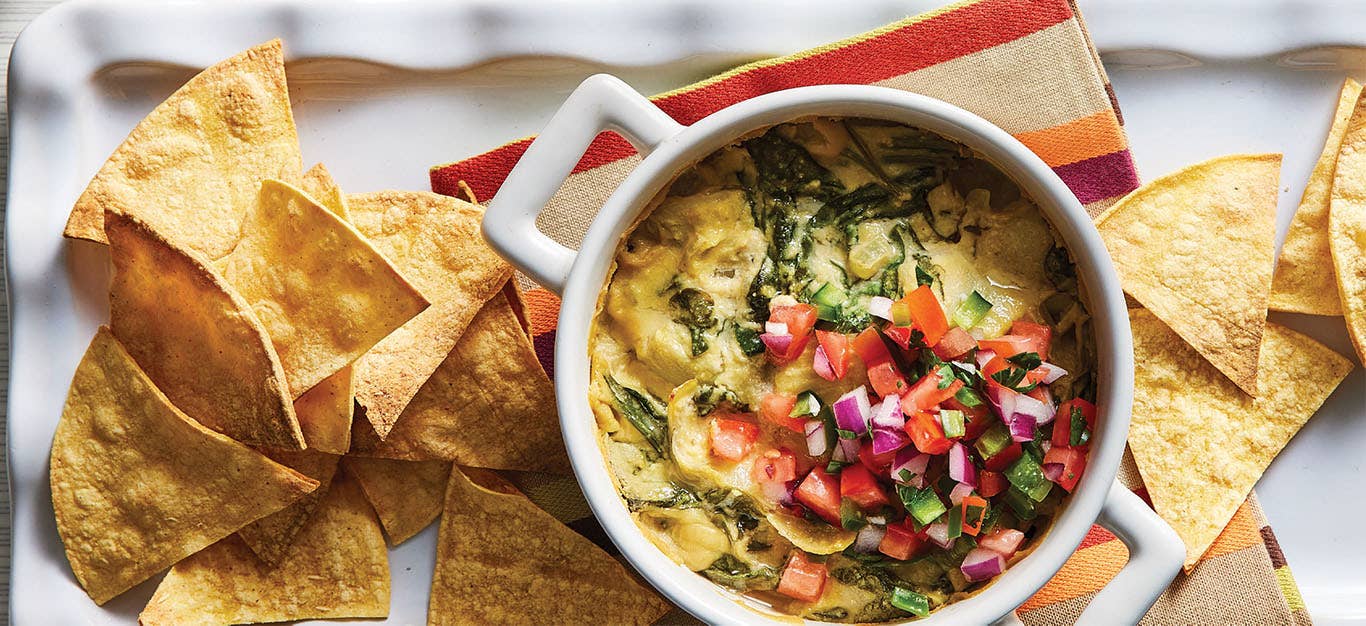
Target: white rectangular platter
{"points": [[382, 91]]}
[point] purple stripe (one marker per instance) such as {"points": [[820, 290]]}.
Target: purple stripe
{"points": [[1098, 178]]}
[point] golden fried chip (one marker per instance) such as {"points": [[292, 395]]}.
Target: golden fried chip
{"points": [[319, 185], [1196, 247], [272, 536], [434, 240], [1347, 228], [196, 338], [1200, 443], [482, 568], [137, 485], [323, 293], [488, 405], [339, 568], [191, 168], [407, 495], [1304, 281]]}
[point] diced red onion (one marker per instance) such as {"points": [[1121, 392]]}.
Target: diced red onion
{"points": [[776, 328], [1052, 471], [775, 491], [938, 532], [910, 460], [847, 452], [984, 357], [777, 344], [889, 426], [959, 492], [877, 519], [887, 440], [869, 538], [815, 437], [852, 411], [1003, 542], [982, 564], [880, 306], [1022, 428], [821, 365], [1051, 373], [1039, 411], [1002, 400], [960, 466]]}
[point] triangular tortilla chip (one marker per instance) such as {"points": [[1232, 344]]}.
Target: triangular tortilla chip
{"points": [[1347, 228], [1196, 247], [137, 485], [488, 405], [272, 536], [325, 411], [196, 338], [434, 240], [338, 569], [191, 168], [407, 495], [1304, 281], [323, 293], [1199, 442], [482, 568]]}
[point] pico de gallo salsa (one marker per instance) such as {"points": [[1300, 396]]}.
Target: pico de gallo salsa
{"points": [[844, 367]]}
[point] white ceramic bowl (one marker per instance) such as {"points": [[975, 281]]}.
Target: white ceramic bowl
{"points": [[603, 102]]}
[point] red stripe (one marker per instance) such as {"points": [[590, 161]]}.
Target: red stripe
{"points": [[1098, 178], [965, 30], [1095, 536]]}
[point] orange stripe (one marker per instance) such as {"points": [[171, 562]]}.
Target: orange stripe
{"points": [[1086, 572], [1242, 532], [1085, 138], [543, 308]]}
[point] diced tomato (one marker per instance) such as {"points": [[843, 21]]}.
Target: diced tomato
{"points": [[777, 408], [869, 347], [972, 523], [837, 350], [1007, 346], [886, 379], [1073, 463], [991, 484], [926, 314], [925, 394], [979, 419], [900, 335], [732, 439], [802, 579], [1042, 394], [879, 463], [1062, 424], [955, 343], [1040, 336], [901, 542], [1004, 458], [996, 364], [820, 492], [775, 466], [800, 318], [793, 351], [926, 433], [858, 484], [1002, 541]]}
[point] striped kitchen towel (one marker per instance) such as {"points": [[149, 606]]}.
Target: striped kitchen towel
{"points": [[1029, 67]]}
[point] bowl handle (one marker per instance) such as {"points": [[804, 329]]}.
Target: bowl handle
{"points": [[599, 103], [1156, 554]]}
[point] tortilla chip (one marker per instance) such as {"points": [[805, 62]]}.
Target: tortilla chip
{"points": [[319, 185], [1347, 228], [482, 568], [272, 536], [488, 405], [338, 569], [191, 168], [322, 292], [1200, 443], [197, 338], [137, 485], [1196, 247], [407, 495], [1304, 281], [435, 241]]}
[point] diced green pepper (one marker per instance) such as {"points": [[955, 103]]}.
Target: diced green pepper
{"points": [[1020, 504], [971, 311], [827, 300], [749, 341], [901, 313], [911, 602], [968, 397], [924, 505], [1026, 475], [993, 441], [955, 522], [850, 516], [808, 403], [953, 423]]}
